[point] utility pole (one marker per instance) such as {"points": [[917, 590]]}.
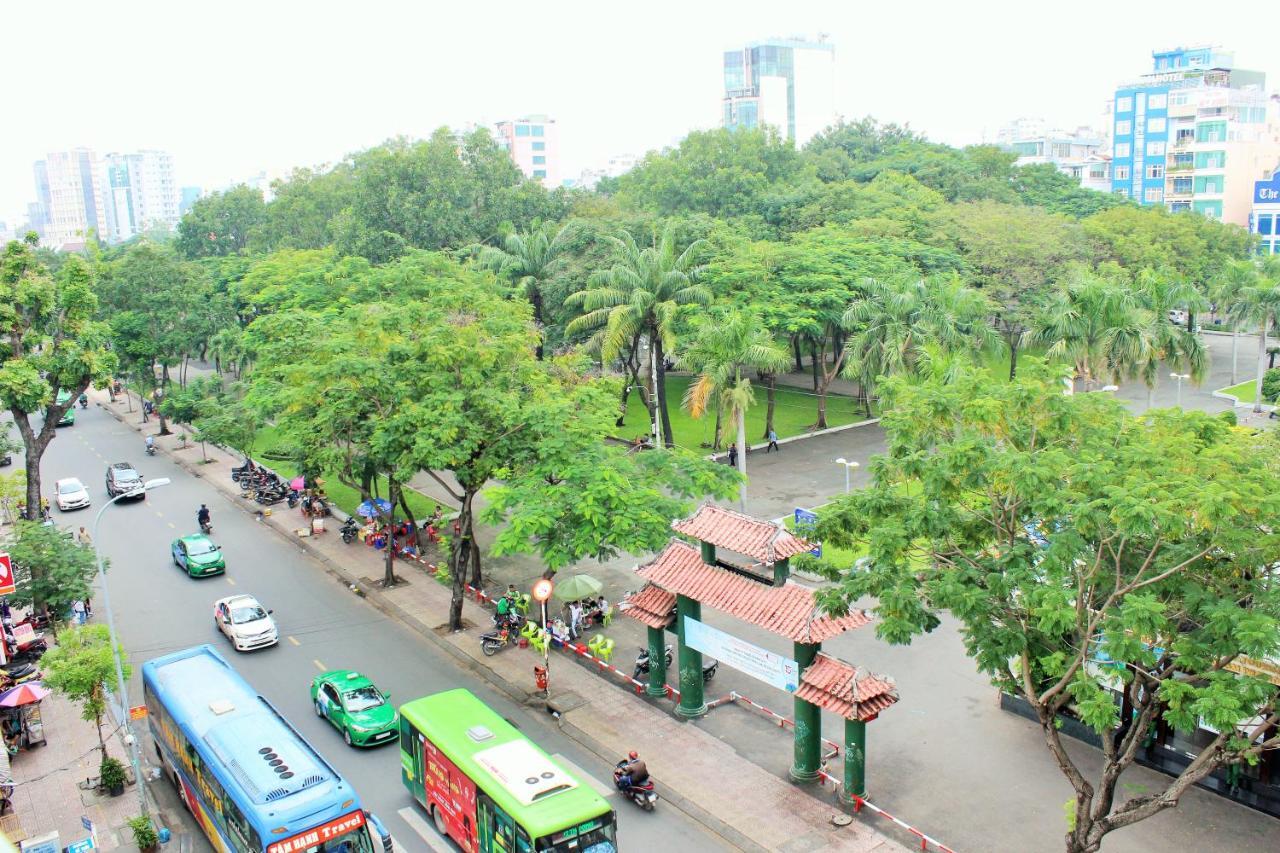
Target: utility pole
{"points": [[657, 413]]}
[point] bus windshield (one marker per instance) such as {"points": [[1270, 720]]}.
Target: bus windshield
{"points": [[354, 841], [594, 836]]}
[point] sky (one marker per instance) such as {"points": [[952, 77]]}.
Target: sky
{"points": [[236, 88]]}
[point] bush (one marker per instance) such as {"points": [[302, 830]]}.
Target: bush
{"points": [[144, 832], [111, 773], [1229, 416], [1271, 385]]}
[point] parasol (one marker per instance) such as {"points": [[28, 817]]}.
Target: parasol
{"points": [[377, 506], [24, 694], [578, 587]]}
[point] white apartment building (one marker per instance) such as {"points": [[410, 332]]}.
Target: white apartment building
{"points": [[534, 145], [152, 189], [788, 84], [1078, 153], [71, 190]]}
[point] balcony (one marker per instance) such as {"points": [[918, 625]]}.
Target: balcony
{"points": [[1183, 143], [1175, 166]]}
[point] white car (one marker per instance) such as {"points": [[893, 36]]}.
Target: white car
{"points": [[71, 494], [247, 624]]}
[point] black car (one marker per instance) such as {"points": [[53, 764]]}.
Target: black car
{"points": [[123, 477]]}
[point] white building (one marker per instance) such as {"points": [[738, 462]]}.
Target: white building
{"points": [[1080, 153], [788, 84], [616, 165], [71, 188], [152, 191], [534, 144]]}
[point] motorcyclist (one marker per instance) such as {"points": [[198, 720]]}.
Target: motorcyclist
{"points": [[202, 517], [506, 614], [84, 401], [151, 444], [631, 772]]}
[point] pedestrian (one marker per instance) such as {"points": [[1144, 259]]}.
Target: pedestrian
{"points": [[575, 619], [733, 456], [83, 538], [773, 441], [77, 612]]}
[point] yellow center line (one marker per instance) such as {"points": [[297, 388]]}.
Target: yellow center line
{"points": [[294, 640], [319, 665]]}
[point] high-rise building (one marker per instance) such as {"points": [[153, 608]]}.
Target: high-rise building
{"points": [[1265, 218], [142, 193], [534, 144], [70, 188], [190, 195], [788, 84], [1194, 134], [1079, 153]]}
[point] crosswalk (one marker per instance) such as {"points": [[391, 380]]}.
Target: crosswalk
{"points": [[413, 816]]}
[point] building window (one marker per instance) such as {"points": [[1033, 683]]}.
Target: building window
{"points": [[522, 130], [1122, 173], [1152, 196], [1211, 159], [539, 146], [1121, 191], [1122, 149], [539, 160], [537, 130], [1124, 128], [1124, 105], [1155, 125], [1155, 149], [1211, 131], [1155, 172], [1264, 223], [1098, 172], [1157, 102], [539, 173]]}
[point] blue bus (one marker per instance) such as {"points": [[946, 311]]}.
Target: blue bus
{"points": [[252, 782]]}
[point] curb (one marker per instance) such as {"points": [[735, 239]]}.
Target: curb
{"points": [[802, 437], [1236, 404], [516, 694]]}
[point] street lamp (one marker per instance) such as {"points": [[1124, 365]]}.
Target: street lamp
{"points": [[848, 465], [1179, 377], [129, 739], [541, 592]]}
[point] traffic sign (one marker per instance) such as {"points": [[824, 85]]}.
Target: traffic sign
{"points": [[805, 521], [7, 584], [138, 712], [81, 846], [542, 589]]}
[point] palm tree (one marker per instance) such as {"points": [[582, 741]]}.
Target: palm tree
{"points": [[903, 322], [1259, 303], [725, 347], [1143, 338], [530, 261], [1235, 275], [1092, 321], [642, 294]]}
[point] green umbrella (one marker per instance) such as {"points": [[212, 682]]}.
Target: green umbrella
{"points": [[578, 587]]}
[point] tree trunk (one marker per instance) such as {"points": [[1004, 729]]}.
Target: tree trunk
{"points": [[1191, 322], [34, 445], [389, 572], [661, 394], [715, 436], [631, 378], [822, 407], [459, 558], [1235, 348], [164, 384], [771, 386], [795, 349], [535, 299], [813, 351], [1262, 363], [1013, 357], [740, 416]]}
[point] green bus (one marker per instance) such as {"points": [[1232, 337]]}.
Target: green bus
{"points": [[490, 788]]}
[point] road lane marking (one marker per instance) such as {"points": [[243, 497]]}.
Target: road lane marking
{"points": [[174, 526], [601, 788], [231, 581], [294, 640], [319, 665], [411, 816], [159, 514]]}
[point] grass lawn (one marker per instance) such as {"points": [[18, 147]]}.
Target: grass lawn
{"points": [[795, 413], [1242, 392], [345, 497]]}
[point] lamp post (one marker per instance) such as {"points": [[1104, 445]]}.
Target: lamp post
{"points": [[1179, 377], [129, 739], [848, 466], [541, 592]]}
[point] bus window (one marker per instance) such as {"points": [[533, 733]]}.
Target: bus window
{"points": [[498, 826]]}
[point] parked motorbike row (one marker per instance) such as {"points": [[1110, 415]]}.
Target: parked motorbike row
{"points": [[642, 666], [262, 485]]}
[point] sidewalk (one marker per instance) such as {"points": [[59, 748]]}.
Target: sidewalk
{"points": [[697, 772]]}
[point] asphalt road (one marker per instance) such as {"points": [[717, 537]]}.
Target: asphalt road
{"points": [[322, 625]]}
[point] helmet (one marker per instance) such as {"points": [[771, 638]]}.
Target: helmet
{"points": [[633, 755]]}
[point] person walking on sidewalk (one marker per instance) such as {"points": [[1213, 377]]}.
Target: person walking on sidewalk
{"points": [[733, 456], [83, 538], [773, 441]]}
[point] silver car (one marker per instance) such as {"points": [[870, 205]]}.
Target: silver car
{"points": [[71, 494], [246, 623]]}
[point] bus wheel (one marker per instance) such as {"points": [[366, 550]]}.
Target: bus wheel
{"points": [[439, 819]]}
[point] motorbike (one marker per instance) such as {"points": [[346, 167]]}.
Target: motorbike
{"points": [[12, 674], [642, 666], [642, 795], [151, 450], [84, 402], [206, 527], [493, 642], [349, 530], [293, 498]]}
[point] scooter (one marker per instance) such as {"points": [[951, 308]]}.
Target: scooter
{"points": [[642, 795], [206, 527], [493, 642], [151, 450], [84, 402], [349, 530], [642, 666]]}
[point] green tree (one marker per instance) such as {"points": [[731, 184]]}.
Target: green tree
{"points": [[303, 209], [1043, 185], [1259, 305], [725, 349], [1153, 538], [1096, 323], [529, 261], [227, 420], [1161, 341], [221, 224], [79, 667], [1225, 291], [642, 293], [49, 341], [51, 569]]}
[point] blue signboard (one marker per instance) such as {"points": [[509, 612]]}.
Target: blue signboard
{"points": [[80, 846], [1268, 191], [805, 521]]}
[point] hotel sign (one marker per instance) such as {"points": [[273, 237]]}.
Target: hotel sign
{"points": [[1268, 191]]}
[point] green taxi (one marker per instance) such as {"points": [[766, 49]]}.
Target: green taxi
{"points": [[198, 556], [349, 701], [69, 416]]}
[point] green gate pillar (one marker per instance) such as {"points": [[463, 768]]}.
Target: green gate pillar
{"points": [[691, 700], [657, 664], [855, 760], [808, 740], [708, 553], [781, 571]]}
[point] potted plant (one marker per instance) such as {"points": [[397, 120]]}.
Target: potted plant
{"points": [[111, 776], [182, 437], [144, 833]]}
